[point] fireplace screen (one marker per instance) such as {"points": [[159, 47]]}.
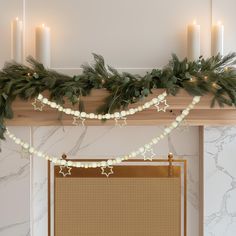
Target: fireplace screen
{"points": [[136, 200]]}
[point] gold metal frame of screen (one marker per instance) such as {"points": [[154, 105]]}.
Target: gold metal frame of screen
{"points": [[169, 170]]}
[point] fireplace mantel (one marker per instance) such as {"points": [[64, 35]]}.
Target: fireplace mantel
{"points": [[24, 113]]}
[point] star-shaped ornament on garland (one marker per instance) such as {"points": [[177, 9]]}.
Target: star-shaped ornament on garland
{"points": [[65, 170], [38, 105], [121, 121], [148, 154], [108, 170], [78, 121], [162, 106]]}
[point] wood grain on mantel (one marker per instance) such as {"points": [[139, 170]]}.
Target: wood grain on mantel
{"points": [[201, 115]]}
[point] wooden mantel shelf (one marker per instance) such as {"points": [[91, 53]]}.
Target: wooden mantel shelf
{"points": [[201, 115]]}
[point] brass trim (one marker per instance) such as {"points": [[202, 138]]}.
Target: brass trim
{"points": [[124, 171]]}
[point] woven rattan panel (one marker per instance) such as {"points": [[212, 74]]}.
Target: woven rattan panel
{"points": [[117, 206]]}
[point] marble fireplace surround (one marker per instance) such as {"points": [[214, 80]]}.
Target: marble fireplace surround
{"points": [[211, 181], [83, 142]]}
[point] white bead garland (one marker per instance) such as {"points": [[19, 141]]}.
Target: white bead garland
{"points": [[109, 162], [107, 116]]}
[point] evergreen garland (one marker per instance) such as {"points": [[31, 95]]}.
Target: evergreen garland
{"points": [[215, 75]]}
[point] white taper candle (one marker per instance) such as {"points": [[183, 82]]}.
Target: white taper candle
{"points": [[43, 45], [193, 41], [16, 40], [217, 45]]}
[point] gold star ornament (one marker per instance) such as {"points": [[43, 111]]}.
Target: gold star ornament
{"points": [[162, 106], [65, 170], [148, 154], [78, 121], [121, 121], [108, 170], [38, 105]]}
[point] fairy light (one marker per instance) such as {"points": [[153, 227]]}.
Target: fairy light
{"points": [[215, 85], [193, 79]]}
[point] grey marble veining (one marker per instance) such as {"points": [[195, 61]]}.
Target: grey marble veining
{"points": [[85, 142], [220, 181], [107, 142], [14, 188]]}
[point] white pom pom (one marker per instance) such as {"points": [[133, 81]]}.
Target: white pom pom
{"points": [[40, 154], [118, 160], [31, 150], [123, 113], [91, 115], [155, 100], [107, 116], [117, 114], [45, 100], [140, 108], [78, 164], [155, 141], [68, 111], [174, 124], [77, 113], [196, 99], [26, 145], [109, 162], [131, 111], [40, 97], [53, 105], [141, 149], [133, 154], [179, 118], [70, 163], [167, 130], [83, 114], [17, 141], [185, 112], [94, 165], [103, 163]]}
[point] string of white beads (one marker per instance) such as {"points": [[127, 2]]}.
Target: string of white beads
{"points": [[107, 116], [109, 162]]}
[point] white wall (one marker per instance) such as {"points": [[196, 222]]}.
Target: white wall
{"points": [[130, 34]]}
